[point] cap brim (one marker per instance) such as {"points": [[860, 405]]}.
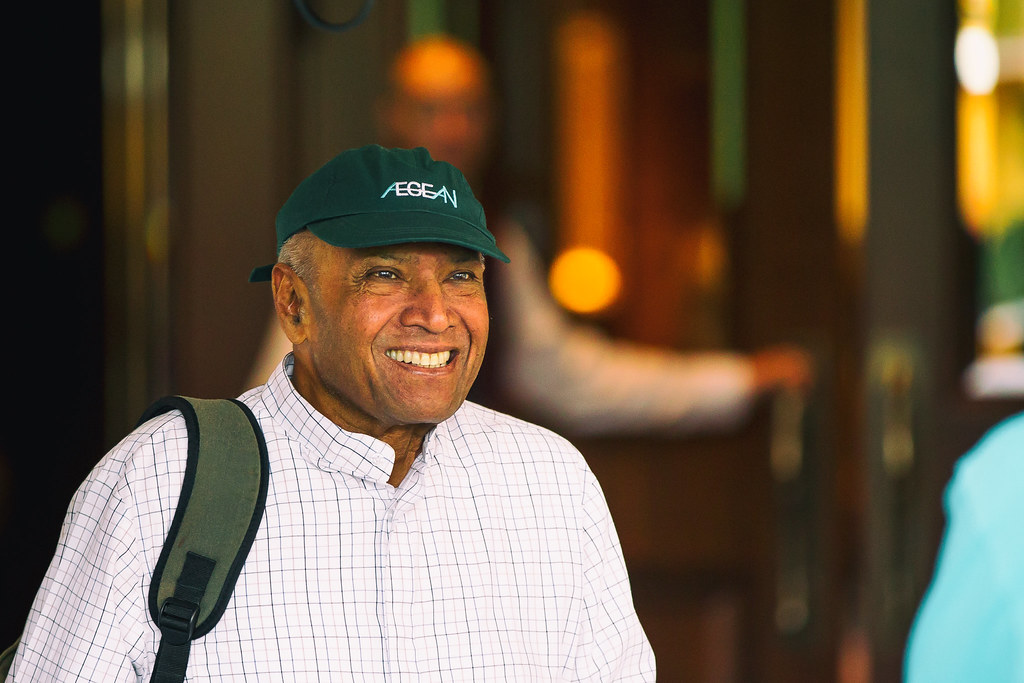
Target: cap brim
{"points": [[397, 227], [402, 227], [261, 274]]}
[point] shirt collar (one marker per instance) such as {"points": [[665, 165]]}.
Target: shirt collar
{"points": [[328, 446]]}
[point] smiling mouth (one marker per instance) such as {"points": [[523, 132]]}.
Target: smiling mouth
{"points": [[422, 360]]}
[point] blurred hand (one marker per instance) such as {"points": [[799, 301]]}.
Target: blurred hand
{"points": [[783, 367]]}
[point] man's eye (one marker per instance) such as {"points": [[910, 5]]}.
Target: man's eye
{"points": [[464, 276], [383, 274]]}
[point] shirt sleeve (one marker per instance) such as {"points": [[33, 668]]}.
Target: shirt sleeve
{"points": [[90, 620], [587, 382], [970, 625], [612, 645]]}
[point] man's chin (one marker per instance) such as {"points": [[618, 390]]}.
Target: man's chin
{"points": [[430, 415], [431, 418]]}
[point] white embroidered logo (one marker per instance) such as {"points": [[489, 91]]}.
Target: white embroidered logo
{"points": [[411, 188]]}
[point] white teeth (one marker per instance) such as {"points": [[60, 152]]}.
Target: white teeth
{"points": [[423, 360]]}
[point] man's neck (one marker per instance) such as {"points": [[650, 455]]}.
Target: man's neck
{"points": [[407, 444]]}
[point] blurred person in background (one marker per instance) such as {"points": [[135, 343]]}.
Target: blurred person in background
{"points": [[563, 373], [970, 625]]}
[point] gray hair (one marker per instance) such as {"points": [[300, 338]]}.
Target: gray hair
{"points": [[299, 253]]}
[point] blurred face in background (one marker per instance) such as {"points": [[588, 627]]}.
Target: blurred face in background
{"points": [[440, 99]]}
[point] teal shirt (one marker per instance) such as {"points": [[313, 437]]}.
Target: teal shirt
{"points": [[970, 626]]}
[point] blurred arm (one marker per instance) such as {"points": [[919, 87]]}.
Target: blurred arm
{"points": [[592, 384]]}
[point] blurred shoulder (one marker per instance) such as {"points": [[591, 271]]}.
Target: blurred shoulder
{"points": [[998, 454], [989, 479]]}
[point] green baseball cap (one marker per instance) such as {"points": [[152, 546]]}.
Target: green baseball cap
{"points": [[373, 196]]}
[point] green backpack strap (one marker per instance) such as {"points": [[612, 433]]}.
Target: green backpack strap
{"points": [[219, 511], [7, 658]]}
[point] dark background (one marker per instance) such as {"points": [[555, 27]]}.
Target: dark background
{"points": [[53, 413]]}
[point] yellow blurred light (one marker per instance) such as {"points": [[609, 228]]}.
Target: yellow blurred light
{"points": [[590, 77], [976, 56], [585, 280], [711, 257], [439, 67], [851, 121], [976, 150]]}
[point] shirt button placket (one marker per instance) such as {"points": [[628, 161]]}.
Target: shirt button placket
{"points": [[386, 588]]}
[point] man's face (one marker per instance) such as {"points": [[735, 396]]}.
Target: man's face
{"points": [[395, 335]]}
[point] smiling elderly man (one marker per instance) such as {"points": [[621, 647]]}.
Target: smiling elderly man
{"points": [[409, 535]]}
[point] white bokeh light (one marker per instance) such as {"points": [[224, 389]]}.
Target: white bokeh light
{"points": [[976, 56]]}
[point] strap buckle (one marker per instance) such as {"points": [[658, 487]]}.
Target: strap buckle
{"points": [[177, 620]]}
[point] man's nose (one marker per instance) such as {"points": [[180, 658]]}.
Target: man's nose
{"points": [[427, 308]]}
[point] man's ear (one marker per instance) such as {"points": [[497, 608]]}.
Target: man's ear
{"points": [[291, 302]]}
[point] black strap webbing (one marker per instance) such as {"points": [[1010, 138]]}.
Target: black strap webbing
{"points": [[219, 511], [177, 619]]}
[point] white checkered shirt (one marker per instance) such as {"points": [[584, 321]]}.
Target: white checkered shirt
{"points": [[494, 560]]}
